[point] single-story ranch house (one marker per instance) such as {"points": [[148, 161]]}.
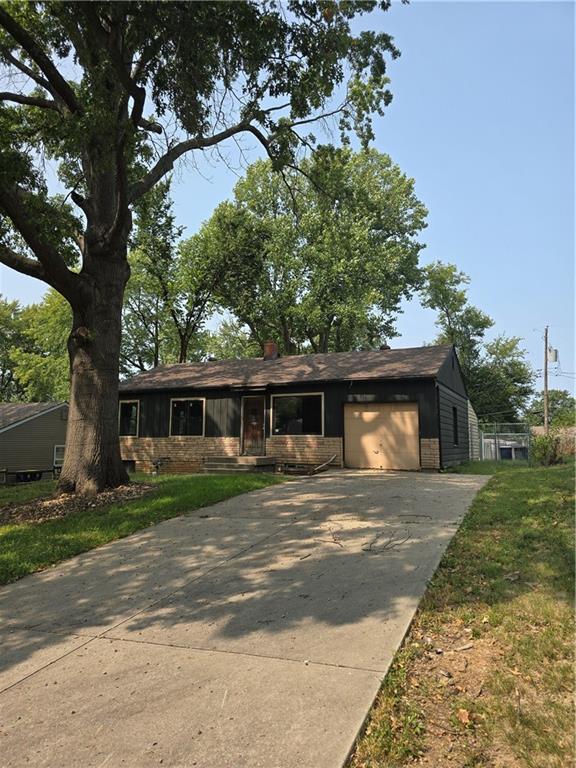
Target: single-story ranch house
{"points": [[32, 439], [385, 409]]}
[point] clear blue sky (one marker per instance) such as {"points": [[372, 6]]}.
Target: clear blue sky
{"points": [[483, 119]]}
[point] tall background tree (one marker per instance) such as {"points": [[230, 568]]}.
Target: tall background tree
{"points": [[170, 294], [11, 338], [40, 362], [317, 260], [497, 376], [90, 86], [561, 409]]}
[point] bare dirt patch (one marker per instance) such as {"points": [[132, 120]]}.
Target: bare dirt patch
{"points": [[449, 683], [63, 505]]}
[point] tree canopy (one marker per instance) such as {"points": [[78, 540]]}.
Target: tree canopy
{"points": [[204, 72], [40, 362], [497, 376], [318, 260], [113, 94], [561, 409], [170, 293], [11, 338]]}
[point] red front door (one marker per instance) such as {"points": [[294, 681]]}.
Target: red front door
{"points": [[253, 426]]}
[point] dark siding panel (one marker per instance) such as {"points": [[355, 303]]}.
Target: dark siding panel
{"points": [[450, 374], [453, 454], [223, 408], [222, 413], [222, 416], [338, 394], [423, 392], [154, 415]]}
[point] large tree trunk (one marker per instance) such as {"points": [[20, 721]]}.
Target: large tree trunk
{"points": [[92, 459]]}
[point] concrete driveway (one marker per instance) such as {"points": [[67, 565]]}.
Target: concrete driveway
{"points": [[255, 632]]}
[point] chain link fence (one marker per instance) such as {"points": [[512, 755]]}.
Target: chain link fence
{"points": [[505, 442]]}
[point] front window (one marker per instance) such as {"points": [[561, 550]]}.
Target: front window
{"points": [[128, 418], [297, 415], [58, 455], [455, 425], [187, 417]]}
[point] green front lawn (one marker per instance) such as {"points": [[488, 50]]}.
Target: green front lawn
{"points": [[28, 547], [485, 676], [487, 467], [21, 492]]}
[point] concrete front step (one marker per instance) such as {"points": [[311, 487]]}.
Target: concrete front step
{"points": [[248, 460], [237, 468]]}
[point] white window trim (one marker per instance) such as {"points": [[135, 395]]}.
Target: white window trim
{"points": [[120, 402], [54, 456], [295, 394], [182, 399]]}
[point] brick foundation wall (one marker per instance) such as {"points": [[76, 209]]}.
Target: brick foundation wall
{"points": [[430, 453], [186, 454], [304, 449]]}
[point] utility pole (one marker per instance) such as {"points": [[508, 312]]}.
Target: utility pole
{"points": [[546, 428]]}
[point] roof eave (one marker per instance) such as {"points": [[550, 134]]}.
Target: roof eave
{"points": [[31, 418]]}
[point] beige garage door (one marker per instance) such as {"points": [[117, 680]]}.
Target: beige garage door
{"points": [[382, 436]]}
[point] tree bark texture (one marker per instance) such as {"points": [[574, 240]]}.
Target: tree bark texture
{"points": [[92, 460]]}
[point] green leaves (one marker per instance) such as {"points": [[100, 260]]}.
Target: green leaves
{"points": [[561, 409], [93, 81], [497, 377], [40, 361], [320, 259], [169, 295]]}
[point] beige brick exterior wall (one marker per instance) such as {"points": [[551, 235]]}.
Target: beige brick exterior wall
{"points": [[430, 453], [304, 449], [186, 454]]}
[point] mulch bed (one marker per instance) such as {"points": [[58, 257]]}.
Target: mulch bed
{"points": [[53, 507]]}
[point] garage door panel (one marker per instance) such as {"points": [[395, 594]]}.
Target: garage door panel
{"points": [[382, 436]]}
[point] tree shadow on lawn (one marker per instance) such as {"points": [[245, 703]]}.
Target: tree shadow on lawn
{"points": [[326, 569]]}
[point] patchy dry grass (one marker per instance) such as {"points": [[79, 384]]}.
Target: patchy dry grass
{"points": [[485, 676]]}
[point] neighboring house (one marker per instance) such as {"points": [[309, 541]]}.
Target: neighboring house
{"points": [[32, 438], [386, 409], [473, 434]]}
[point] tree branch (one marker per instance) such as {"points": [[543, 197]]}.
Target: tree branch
{"points": [[34, 50], [26, 70], [166, 162], [32, 101], [54, 270], [21, 264]]}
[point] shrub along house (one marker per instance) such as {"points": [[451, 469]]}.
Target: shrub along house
{"points": [[385, 409]]}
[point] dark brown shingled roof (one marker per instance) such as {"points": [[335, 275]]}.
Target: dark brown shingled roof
{"points": [[12, 413], [416, 362]]}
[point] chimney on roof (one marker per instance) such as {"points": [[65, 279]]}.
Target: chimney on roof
{"points": [[384, 347], [270, 350]]}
